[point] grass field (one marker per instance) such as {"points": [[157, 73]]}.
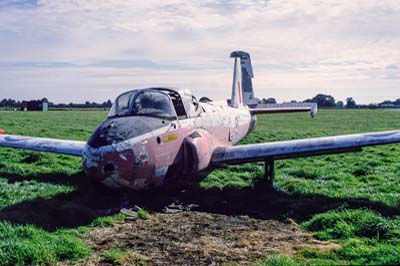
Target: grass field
{"points": [[34, 185]]}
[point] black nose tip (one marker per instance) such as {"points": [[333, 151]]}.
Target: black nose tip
{"points": [[109, 168]]}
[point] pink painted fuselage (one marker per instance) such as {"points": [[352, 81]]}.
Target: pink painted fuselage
{"points": [[178, 148]]}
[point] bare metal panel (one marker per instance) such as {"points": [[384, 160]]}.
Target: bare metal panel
{"points": [[302, 148], [69, 147]]}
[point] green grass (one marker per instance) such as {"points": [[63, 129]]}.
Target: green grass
{"points": [[277, 260], [107, 221], [361, 223], [365, 236], [372, 174], [75, 125], [29, 245], [143, 214], [121, 257], [26, 175]]}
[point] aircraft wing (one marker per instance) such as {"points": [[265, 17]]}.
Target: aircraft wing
{"points": [[302, 148], [69, 147], [285, 108]]}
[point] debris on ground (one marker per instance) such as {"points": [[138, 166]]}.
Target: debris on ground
{"points": [[134, 213], [179, 207], [130, 214]]}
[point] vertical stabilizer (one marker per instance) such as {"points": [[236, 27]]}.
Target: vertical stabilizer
{"points": [[237, 98], [247, 93]]}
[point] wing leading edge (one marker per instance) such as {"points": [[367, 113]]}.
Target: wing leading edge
{"points": [[302, 148], [69, 147]]}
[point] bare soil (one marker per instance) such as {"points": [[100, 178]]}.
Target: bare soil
{"points": [[197, 238]]}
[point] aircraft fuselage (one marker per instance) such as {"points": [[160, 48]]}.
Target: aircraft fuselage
{"points": [[158, 149]]}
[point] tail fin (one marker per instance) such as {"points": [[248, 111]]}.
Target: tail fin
{"points": [[237, 98], [242, 88]]}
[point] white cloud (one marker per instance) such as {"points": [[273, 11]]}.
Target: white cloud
{"points": [[298, 48]]}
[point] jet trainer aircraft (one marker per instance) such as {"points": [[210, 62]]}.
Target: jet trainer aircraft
{"points": [[154, 136]]}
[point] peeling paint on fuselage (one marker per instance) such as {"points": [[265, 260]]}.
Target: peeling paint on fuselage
{"points": [[146, 160]]}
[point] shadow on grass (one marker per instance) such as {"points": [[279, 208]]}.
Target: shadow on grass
{"points": [[91, 200], [66, 210]]}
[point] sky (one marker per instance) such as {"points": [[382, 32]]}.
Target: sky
{"points": [[79, 50]]}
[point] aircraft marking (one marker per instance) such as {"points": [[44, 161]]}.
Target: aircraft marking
{"points": [[169, 138], [240, 96]]}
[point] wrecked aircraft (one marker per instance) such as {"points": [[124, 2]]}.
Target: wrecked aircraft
{"points": [[155, 136]]}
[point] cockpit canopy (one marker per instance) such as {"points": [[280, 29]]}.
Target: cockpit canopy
{"points": [[156, 102], [143, 102]]}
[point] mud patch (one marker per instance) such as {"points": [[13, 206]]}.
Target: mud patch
{"points": [[197, 238]]}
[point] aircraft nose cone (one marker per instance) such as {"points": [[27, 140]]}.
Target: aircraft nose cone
{"points": [[116, 169], [117, 129], [101, 163], [122, 153]]}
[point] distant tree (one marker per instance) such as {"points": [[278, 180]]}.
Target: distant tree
{"points": [[269, 100], [340, 104], [350, 103], [323, 100], [293, 101], [9, 103], [387, 102], [397, 102]]}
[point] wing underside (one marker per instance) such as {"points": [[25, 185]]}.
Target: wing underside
{"points": [[69, 147], [302, 148]]}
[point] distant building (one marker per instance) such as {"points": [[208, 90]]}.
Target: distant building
{"points": [[36, 105], [45, 105]]}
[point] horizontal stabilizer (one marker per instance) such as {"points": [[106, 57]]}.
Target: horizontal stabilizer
{"points": [[70, 147], [302, 148], [285, 108]]}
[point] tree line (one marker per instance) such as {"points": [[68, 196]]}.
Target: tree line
{"points": [[13, 104], [328, 101], [323, 101]]}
